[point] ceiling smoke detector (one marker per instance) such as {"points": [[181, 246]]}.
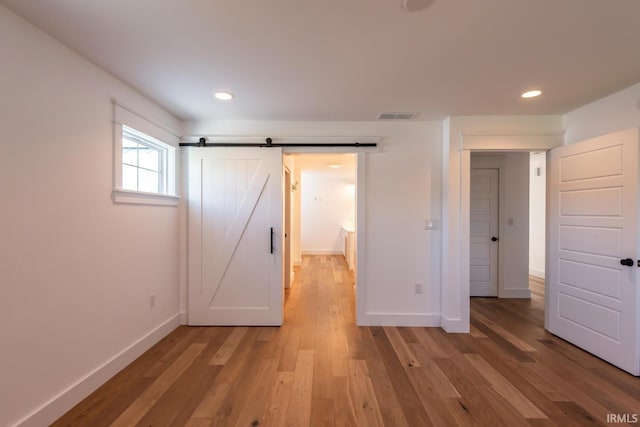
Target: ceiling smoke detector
{"points": [[415, 5]]}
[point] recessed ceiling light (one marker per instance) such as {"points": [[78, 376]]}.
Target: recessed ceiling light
{"points": [[531, 93], [415, 5], [335, 165], [223, 95]]}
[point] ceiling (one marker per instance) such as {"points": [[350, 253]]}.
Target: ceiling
{"points": [[353, 59], [321, 162]]}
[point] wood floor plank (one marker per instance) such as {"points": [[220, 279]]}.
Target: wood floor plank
{"points": [[257, 397], [400, 346], [139, 408], [212, 401], [390, 409], [363, 398], [422, 382], [322, 413], [511, 394], [299, 411], [430, 345], [517, 342], [409, 400], [321, 369], [177, 404], [224, 353], [343, 410], [275, 413], [441, 384], [241, 381], [508, 413]]}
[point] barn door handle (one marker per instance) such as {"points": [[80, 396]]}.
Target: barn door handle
{"points": [[627, 261], [272, 240]]}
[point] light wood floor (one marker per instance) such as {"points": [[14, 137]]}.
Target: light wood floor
{"points": [[319, 369]]}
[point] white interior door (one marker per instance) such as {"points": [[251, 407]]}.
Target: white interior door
{"points": [[483, 243], [593, 299], [235, 235]]}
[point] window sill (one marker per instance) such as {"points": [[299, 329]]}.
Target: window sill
{"points": [[139, 198]]}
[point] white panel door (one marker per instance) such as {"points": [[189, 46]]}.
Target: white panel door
{"points": [[235, 230], [592, 298], [483, 243]]}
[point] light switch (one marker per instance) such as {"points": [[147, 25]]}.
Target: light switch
{"points": [[431, 224]]}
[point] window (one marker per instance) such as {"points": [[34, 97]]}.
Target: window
{"points": [[144, 163], [144, 166]]}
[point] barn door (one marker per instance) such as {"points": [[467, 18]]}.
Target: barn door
{"points": [[235, 235], [592, 293]]}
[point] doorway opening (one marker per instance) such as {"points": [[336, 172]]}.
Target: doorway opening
{"points": [[499, 224], [322, 213], [507, 195]]}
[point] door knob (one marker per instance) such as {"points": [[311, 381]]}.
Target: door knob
{"points": [[627, 261], [494, 239]]}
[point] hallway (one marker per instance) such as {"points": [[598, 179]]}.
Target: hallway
{"points": [[320, 369]]}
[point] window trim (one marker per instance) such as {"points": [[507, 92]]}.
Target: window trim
{"points": [[124, 118], [142, 198]]}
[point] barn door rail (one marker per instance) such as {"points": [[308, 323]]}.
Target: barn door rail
{"points": [[269, 142]]}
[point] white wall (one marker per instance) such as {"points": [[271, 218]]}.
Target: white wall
{"points": [[618, 111], [76, 270], [513, 225], [328, 203], [537, 212], [403, 188]]}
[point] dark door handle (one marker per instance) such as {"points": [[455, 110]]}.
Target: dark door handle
{"points": [[627, 261], [271, 239], [494, 239]]}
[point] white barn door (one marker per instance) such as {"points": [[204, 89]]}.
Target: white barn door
{"points": [[235, 231], [593, 299]]}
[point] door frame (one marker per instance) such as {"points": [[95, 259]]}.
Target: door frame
{"points": [[360, 220], [287, 275], [456, 309]]}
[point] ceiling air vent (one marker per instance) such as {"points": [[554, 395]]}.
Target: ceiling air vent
{"points": [[396, 116]]}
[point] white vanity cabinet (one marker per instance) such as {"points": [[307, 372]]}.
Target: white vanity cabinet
{"points": [[349, 251]]}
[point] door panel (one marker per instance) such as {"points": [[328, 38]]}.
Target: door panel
{"points": [[593, 300], [483, 253], [235, 200]]}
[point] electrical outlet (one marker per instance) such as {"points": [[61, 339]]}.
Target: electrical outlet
{"points": [[417, 288], [152, 301]]}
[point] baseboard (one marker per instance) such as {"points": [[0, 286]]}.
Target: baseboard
{"points": [[454, 326], [537, 273], [297, 262], [515, 293], [322, 252], [67, 399], [399, 319], [184, 320]]}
